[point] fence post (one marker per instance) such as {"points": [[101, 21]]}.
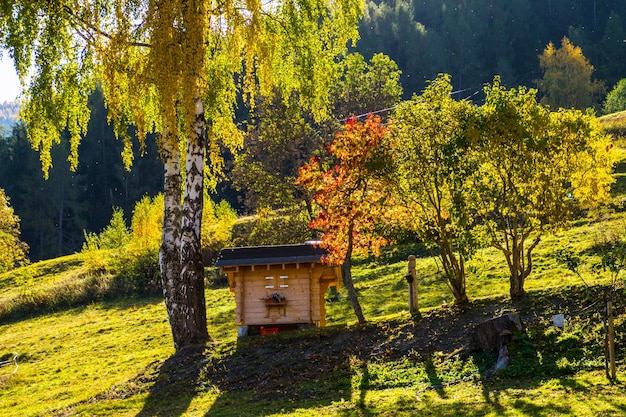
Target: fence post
{"points": [[411, 278]]}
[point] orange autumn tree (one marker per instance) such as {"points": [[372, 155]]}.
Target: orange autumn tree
{"points": [[350, 187]]}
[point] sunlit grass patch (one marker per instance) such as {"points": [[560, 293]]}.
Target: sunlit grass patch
{"points": [[72, 356]]}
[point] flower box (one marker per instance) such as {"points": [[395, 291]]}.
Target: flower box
{"points": [[275, 300], [271, 302]]}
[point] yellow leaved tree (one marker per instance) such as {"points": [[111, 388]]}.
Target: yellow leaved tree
{"points": [[537, 168], [567, 81], [173, 67], [13, 252]]}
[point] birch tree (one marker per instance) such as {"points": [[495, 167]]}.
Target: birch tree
{"points": [[173, 67], [566, 80]]}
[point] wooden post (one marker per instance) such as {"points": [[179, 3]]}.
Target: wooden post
{"points": [[609, 311], [411, 278]]}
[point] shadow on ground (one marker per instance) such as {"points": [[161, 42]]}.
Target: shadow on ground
{"points": [[174, 384], [314, 368], [280, 373]]}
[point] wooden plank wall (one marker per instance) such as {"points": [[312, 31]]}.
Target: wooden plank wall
{"points": [[305, 291]]}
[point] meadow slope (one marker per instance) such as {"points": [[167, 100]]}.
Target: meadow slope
{"points": [[84, 351]]}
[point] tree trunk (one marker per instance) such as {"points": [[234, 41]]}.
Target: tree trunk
{"points": [[455, 272], [194, 325], [180, 256], [516, 280], [346, 272], [516, 289], [520, 266], [169, 255], [458, 288]]}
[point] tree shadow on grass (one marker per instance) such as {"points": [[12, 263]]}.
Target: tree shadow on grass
{"points": [[434, 379], [175, 384], [280, 373], [545, 353]]}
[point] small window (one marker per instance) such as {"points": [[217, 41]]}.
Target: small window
{"points": [[269, 282], [283, 281]]}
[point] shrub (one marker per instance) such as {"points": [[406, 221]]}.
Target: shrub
{"points": [[271, 228], [137, 272], [147, 223], [12, 250], [218, 220], [616, 99]]}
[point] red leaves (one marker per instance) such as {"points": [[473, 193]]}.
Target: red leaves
{"points": [[350, 192]]}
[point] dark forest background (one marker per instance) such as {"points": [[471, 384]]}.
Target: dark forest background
{"points": [[472, 40]]}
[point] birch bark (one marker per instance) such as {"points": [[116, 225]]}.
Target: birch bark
{"points": [[169, 254], [192, 320]]}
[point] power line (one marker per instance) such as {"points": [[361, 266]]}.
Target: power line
{"points": [[359, 116]]}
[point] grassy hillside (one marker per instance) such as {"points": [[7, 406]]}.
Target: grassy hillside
{"points": [[615, 123], [84, 351]]}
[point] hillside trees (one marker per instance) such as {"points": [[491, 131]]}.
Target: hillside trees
{"points": [[13, 252], [611, 63], [434, 163], [566, 80], [55, 212], [390, 28], [536, 168], [171, 67], [52, 211], [352, 190], [475, 40]]}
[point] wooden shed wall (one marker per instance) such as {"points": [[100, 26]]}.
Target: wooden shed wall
{"points": [[304, 290]]}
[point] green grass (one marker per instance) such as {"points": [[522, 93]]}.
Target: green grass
{"points": [[105, 358], [74, 355], [84, 351]]}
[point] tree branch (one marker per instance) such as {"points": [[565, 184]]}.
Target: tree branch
{"points": [[89, 27]]}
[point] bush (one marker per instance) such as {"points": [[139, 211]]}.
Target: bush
{"points": [[137, 272], [116, 235], [132, 256], [616, 99], [270, 228], [147, 223], [13, 252], [218, 220]]}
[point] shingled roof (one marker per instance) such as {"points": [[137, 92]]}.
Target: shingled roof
{"points": [[271, 255]]}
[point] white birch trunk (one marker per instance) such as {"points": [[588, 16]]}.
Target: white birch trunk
{"points": [[193, 321], [181, 264], [169, 255]]}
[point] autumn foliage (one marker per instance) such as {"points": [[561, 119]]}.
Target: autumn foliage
{"points": [[13, 252], [567, 78], [351, 189]]}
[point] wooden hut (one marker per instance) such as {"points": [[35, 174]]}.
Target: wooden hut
{"points": [[278, 287]]}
